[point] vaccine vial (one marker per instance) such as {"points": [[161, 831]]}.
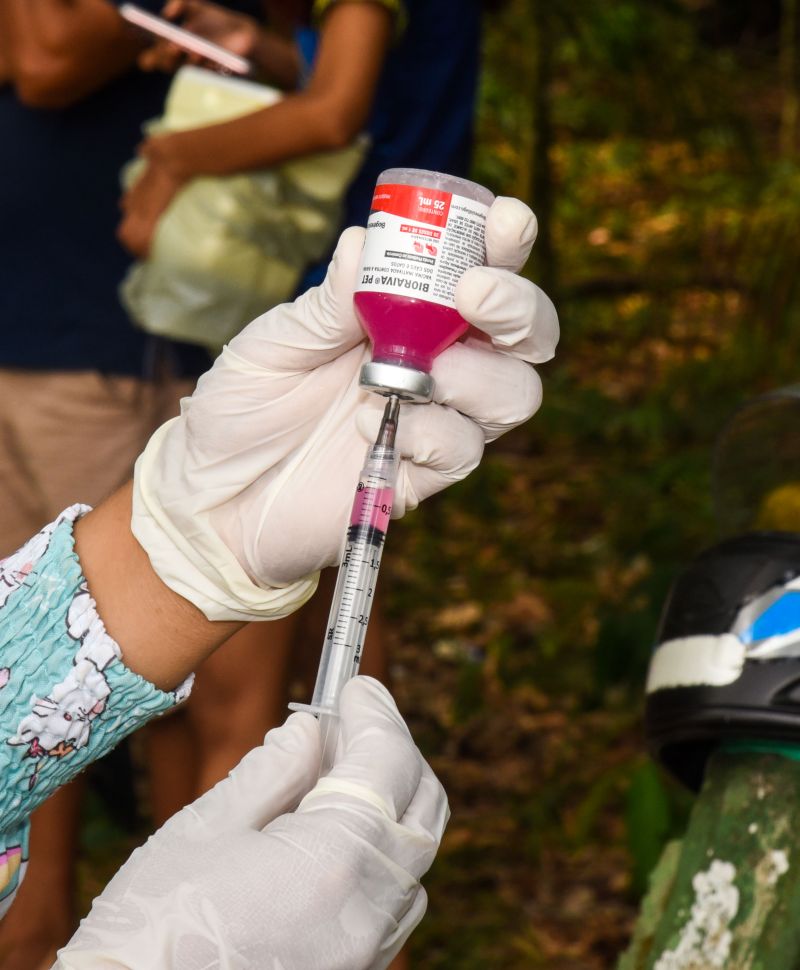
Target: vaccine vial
{"points": [[425, 230]]}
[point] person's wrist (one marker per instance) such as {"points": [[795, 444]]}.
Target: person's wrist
{"points": [[172, 154], [168, 639], [187, 552]]}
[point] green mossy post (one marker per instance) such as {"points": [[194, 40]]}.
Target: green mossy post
{"points": [[728, 896]]}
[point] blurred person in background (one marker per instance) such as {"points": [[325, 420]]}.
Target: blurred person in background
{"points": [[83, 388], [404, 71]]}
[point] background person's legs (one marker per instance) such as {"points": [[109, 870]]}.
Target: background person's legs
{"points": [[237, 698], [171, 763], [240, 693], [64, 438], [243, 690], [42, 917]]}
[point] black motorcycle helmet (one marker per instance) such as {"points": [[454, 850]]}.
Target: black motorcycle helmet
{"points": [[727, 661], [727, 664]]}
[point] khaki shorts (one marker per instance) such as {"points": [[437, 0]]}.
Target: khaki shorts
{"points": [[68, 437]]}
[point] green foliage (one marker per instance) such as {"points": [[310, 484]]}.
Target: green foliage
{"points": [[673, 220], [655, 812]]}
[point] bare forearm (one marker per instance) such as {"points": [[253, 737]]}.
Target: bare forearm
{"points": [[59, 51], [277, 58], [327, 115], [297, 126], [163, 637]]}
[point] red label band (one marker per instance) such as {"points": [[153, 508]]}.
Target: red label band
{"points": [[413, 202], [421, 231]]}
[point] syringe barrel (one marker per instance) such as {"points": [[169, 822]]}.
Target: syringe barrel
{"points": [[355, 583], [381, 463]]}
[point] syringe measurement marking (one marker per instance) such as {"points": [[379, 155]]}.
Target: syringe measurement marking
{"points": [[349, 629], [358, 570], [363, 551]]}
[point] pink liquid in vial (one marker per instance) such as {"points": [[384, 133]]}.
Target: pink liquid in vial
{"points": [[407, 331], [425, 230]]}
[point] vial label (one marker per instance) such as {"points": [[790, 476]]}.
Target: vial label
{"points": [[420, 242]]}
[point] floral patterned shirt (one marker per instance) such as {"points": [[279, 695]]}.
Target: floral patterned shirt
{"points": [[66, 697]]}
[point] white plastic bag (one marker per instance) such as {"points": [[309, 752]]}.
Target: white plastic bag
{"points": [[229, 248]]}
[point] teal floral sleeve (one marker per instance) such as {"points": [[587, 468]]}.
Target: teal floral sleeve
{"points": [[66, 697]]}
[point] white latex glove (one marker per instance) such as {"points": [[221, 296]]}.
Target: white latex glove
{"points": [[240, 500], [247, 878]]}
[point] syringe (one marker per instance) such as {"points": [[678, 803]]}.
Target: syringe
{"points": [[356, 581]]}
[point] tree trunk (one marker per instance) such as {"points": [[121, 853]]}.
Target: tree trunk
{"points": [[788, 70], [541, 183], [729, 895]]}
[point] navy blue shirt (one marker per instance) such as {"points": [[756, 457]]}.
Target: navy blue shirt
{"points": [[60, 262], [424, 108], [425, 102]]}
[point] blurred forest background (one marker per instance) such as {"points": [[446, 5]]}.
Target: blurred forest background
{"points": [[657, 141]]}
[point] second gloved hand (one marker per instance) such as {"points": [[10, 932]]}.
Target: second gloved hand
{"points": [[247, 878], [240, 500]]}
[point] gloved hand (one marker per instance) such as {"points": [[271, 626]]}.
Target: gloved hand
{"points": [[247, 878], [247, 493]]}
